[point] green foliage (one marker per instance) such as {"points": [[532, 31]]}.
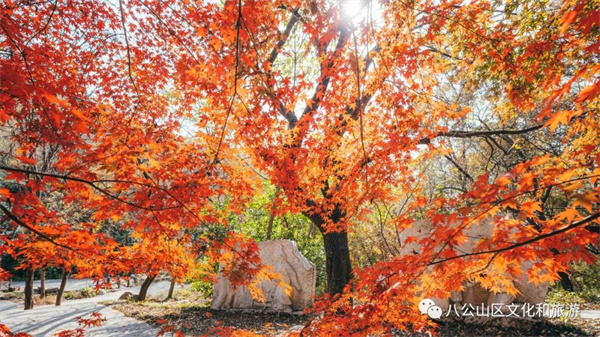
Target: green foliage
{"points": [[87, 292], [14, 296], [296, 227], [586, 285], [586, 280], [558, 295], [52, 273], [203, 287]]}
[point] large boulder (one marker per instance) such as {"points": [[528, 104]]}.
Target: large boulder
{"points": [[127, 296], [286, 259], [474, 294]]}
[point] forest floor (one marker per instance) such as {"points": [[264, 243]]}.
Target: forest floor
{"points": [[520, 328], [190, 313]]}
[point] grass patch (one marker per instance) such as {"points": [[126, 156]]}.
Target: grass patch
{"points": [[19, 297]]}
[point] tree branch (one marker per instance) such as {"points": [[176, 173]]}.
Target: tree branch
{"points": [[323, 84], [238, 25], [525, 242], [92, 183], [471, 134], [465, 173], [24, 225], [129, 72], [283, 39]]}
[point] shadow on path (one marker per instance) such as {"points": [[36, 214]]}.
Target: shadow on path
{"points": [[47, 320]]}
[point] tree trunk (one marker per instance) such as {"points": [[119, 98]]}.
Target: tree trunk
{"points": [[61, 290], [28, 289], [42, 283], [338, 265], [272, 215], [270, 225], [337, 252], [144, 288], [565, 281], [171, 289]]}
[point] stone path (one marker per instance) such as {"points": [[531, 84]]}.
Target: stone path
{"points": [[46, 320], [72, 284], [590, 314]]}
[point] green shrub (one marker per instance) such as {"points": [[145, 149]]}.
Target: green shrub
{"points": [[586, 280], [586, 285], [560, 296], [202, 286], [87, 292], [15, 296], [291, 226]]}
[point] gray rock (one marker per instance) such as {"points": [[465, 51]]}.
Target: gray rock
{"points": [[473, 292], [285, 258], [126, 296]]}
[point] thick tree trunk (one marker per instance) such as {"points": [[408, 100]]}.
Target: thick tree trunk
{"points": [[171, 289], [337, 252], [28, 289], [144, 288], [42, 283], [338, 265]]}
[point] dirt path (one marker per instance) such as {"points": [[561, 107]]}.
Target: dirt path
{"points": [[48, 319]]}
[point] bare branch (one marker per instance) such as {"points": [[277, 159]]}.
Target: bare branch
{"points": [[283, 39], [463, 171], [130, 74], [471, 134], [238, 25]]}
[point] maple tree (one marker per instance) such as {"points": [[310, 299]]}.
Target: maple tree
{"points": [[4, 275], [156, 116]]}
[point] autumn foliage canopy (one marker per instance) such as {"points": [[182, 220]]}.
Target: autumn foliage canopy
{"points": [[161, 118]]}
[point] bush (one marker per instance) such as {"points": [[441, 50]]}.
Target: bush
{"points": [[15, 296], [586, 285], [203, 287], [586, 280], [558, 295], [87, 292]]}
